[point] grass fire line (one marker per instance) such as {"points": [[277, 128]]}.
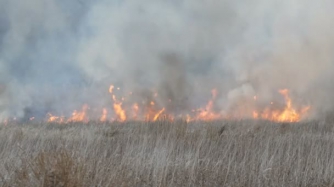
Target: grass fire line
{"points": [[152, 112]]}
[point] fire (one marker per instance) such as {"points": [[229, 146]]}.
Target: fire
{"points": [[255, 115], [151, 110], [207, 113], [79, 116], [288, 114], [111, 88], [156, 116], [55, 119], [121, 116], [119, 112], [104, 115]]}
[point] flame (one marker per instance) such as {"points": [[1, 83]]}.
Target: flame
{"points": [[55, 119], [152, 111], [79, 116], [255, 115], [104, 115], [158, 114], [288, 114], [121, 116], [207, 113], [119, 112], [111, 88]]}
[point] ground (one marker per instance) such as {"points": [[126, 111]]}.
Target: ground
{"points": [[220, 153]]}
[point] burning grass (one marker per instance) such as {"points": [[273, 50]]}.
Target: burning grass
{"points": [[162, 153], [150, 110]]}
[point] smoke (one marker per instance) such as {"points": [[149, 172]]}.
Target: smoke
{"points": [[56, 56]]}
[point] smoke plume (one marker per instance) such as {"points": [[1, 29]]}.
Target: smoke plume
{"points": [[57, 55]]}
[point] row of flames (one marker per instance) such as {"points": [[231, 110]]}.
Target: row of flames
{"points": [[151, 112], [207, 113]]}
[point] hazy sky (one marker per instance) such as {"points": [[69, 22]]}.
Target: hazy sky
{"points": [[56, 55]]}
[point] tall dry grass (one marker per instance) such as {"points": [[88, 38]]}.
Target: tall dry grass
{"points": [[222, 153]]}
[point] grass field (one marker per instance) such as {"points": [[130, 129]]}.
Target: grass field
{"points": [[222, 153]]}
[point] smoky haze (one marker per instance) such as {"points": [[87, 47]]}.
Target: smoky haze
{"points": [[57, 55]]}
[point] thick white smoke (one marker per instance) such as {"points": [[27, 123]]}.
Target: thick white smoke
{"points": [[57, 55]]}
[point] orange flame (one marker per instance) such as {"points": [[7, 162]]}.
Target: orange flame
{"points": [[151, 111], [55, 119], [207, 114], [158, 114], [119, 112], [79, 116], [121, 116], [104, 115], [288, 114]]}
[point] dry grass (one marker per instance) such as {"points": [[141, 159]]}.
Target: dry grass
{"points": [[245, 153]]}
